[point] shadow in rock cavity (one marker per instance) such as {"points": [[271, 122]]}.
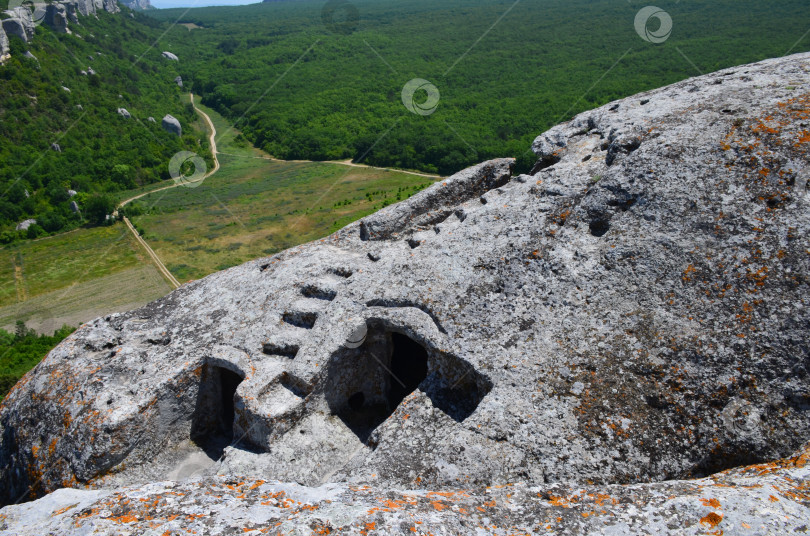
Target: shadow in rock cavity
{"points": [[213, 418], [365, 385]]}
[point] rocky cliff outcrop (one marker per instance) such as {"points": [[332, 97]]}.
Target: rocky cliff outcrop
{"points": [[584, 339], [56, 17], [20, 23], [4, 47], [22, 20], [137, 5]]}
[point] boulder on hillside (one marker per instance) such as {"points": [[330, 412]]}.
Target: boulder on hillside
{"points": [[171, 124], [179, 81], [111, 6], [56, 147], [169, 55], [86, 7], [151, 119], [74, 206], [19, 23], [124, 113], [56, 17], [71, 9], [25, 224]]}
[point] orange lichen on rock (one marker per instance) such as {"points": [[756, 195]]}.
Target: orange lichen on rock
{"points": [[712, 519]]}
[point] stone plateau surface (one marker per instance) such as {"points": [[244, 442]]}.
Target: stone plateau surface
{"points": [[574, 350]]}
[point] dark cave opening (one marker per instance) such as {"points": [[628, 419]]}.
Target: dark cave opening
{"points": [[368, 383], [228, 382], [214, 415], [408, 368], [372, 380]]}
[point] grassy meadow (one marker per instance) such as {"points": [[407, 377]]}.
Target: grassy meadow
{"points": [[256, 206]]}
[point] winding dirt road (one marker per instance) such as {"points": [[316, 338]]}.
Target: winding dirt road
{"points": [[213, 132], [158, 263]]}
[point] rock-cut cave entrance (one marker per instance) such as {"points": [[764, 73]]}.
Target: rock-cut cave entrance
{"points": [[368, 383], [213, 419]]}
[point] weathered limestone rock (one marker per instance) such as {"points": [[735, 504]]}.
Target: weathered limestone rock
{"points": [[25, 224], [20, 23], [111, 6], [86, 7], [4, 47], [179, 81], [137, 5], [74, 206], [435, 205], [172, 125], [56, 17], [72, 9], [170, 56], [124, 113], [634, 315]]}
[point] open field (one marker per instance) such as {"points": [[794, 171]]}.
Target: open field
{"points": [[75, 277], [255, 206]]}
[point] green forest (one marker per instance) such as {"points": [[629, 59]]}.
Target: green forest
{"points": [[506, 71], [47, 100], [22, 350]]}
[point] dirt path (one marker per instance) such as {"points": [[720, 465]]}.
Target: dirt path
{"points": [[158, 263], [19, 280], [211, 139], [214, 153], [160, 266]]}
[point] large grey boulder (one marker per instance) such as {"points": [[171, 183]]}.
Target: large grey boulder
{"points": [[25, 224], [111, 6], [86, 7], [56, 17], [71, 9], [562, 350], [20, 23], [171, 124], [170, 56], [179, 81], [124, 113]]}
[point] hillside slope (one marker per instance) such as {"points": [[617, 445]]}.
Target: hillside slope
{"points": [[60, 124], [633, 313]]}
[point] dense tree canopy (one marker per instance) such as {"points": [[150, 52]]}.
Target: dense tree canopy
{"points": [[301, 90]]}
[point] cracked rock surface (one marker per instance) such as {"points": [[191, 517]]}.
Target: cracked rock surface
{"points": [[582, 340]]}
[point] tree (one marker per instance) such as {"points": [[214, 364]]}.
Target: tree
{"points": [[98, 207]]}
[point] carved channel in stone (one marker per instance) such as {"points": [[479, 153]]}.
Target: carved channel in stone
{"points": [[300, 319], [365, 385], [287, 350], [318, 292]]}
